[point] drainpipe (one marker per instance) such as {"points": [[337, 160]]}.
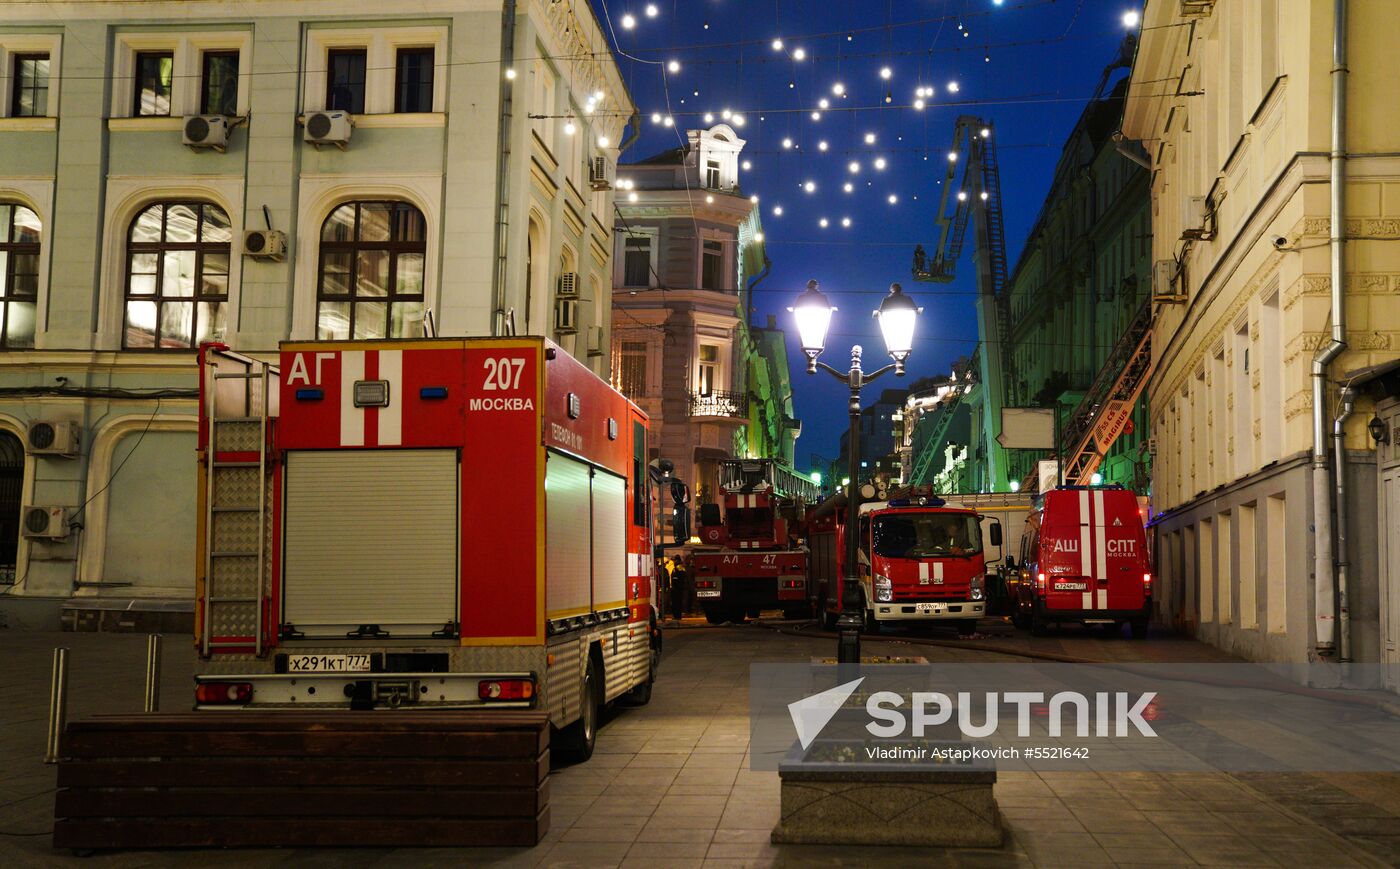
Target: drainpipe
{"points": [[1326, 588], [1343, 560], [498, 282]]}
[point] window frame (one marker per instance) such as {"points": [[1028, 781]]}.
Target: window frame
{"points": [[137, 89], [715, 254], [204, 58], [354, 247], [159, 248], [17, 87], [399, 53], [626, 250], [11, 251], [347, 51]]}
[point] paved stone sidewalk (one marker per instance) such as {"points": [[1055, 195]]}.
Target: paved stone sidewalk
{"points": [[670, 785]]}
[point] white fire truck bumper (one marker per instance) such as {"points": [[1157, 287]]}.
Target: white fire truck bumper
{"points": [[928, 611]]}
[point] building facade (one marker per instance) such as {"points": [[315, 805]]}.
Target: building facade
{"points": [[1235, 105], [689, 248], [879, 438], [444, 193]]}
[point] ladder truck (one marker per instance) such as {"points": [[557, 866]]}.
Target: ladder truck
{"points": [[977, 199], [753, 559], [434, 523]]}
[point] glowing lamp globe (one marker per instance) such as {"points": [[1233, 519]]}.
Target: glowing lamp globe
{"points": [[897, 314], [812, 310]]}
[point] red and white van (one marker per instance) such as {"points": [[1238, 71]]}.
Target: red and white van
{"points": [[1084, 559]]}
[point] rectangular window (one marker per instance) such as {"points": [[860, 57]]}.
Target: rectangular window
{"points": [[712, 265], [218, 93], [636, 265], [633, 374], [31, 95], [709, 368], [712, 174], [155, 71], [1206, 561], [1249, 556], [1225, 552], [345, 80], [413, 80], [1276, 604]]}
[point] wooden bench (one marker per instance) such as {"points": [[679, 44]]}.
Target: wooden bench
{"points": [[303, 778]]}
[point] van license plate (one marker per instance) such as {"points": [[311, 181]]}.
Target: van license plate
{"points": [[328, 663], [1071, 586], [707, 592]]}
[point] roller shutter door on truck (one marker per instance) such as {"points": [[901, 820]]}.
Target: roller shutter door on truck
{"points": [[568, 558], [371, 539]]}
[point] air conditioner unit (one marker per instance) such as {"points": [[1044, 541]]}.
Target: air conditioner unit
{"points": [[568, 285], [328, 128], [1198, 219], [265, 243], [566, 316], [600, 173], [595, 341], [1164, 281], [45, 523], [206, 131], [52, 438]]}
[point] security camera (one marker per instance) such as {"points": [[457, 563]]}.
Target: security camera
{"points": [[1280, 242]]}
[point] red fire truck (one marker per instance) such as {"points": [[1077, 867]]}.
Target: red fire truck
{"points": [[922, 560], [759, 563], [1084, 559], [451, 523]]}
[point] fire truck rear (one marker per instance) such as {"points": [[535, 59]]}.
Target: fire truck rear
{"points": [[440, 523], [758, 564], [921, 560]]}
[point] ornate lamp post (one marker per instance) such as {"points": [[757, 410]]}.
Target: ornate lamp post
{"points": [[897, 314]]}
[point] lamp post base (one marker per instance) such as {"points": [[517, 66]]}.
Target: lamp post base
{"points": [[848, 645]]}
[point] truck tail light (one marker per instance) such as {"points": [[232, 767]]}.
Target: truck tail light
{"points": [[1040, 582], [704, 583], [223, 693], [793, 583], [505, 689], [1147, 582]]}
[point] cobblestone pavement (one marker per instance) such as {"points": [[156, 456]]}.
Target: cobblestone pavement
{"points": [[670, 785]]}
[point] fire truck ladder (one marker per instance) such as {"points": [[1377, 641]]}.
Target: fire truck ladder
{"points": [[924, 462], [235, 537], [1103, 413]]}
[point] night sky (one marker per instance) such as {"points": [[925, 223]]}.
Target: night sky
{"points": [[1028, 66]]}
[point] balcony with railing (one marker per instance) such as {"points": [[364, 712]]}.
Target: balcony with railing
{"points": [[720, 406]]}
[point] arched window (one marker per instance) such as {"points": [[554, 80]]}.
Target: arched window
{"points": [[19, 275], [370, 281], [177, 275]]}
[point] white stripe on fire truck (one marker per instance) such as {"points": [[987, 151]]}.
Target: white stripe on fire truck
{"points": [[1100, 548], [391, 417], [1085, 566], [938, 571], [923, 572], [352, 418]]}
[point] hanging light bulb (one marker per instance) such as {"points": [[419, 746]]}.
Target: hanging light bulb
{"points": [[869, 138], [952, 87], [651, 10], [746, 166], [838, 89], [889, 97], [822, 223], [983, 195], [986, 132], [787, 143], [799, 53], [738, 120], [758, 237], [709, 118], [810, 186], [848, 187], [853, 167], [656, 117], [880, 163], [569, 127], [709, 199], [632, 197], [962, 195], [777, 211], [754, 199], [845, 221], [892, 199], [668, 121], [674, 66], [726, 114], [952, 156], [628, 22], [816, 116], [707, 25], [919, 105], [821, 146], [823, 103], [777, 45], [604, 141], [886, 72], [510, 73]]}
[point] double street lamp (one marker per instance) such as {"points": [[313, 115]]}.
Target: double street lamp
{"points": [[897, 314]]}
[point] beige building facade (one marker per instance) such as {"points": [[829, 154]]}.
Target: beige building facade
{"points": [[1234, 102]]}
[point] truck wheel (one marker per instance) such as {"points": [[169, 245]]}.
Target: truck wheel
{"points": [[735, 614], [641, 695], [1019, 620], [713, 614], [577, 740], [828, 620], [1139, 628], [753, 612], [870, 624]]}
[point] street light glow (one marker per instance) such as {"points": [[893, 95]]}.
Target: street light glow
{"points": [[1131, 19], [812, 311]]}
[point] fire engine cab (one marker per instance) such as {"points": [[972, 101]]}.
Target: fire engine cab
{"points": [[752, 560], [921, 560], [432, 523]]}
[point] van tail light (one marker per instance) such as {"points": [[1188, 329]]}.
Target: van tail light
{"points": [[1147, 582], [223, 693], [505, 689], [1040, 582]]}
